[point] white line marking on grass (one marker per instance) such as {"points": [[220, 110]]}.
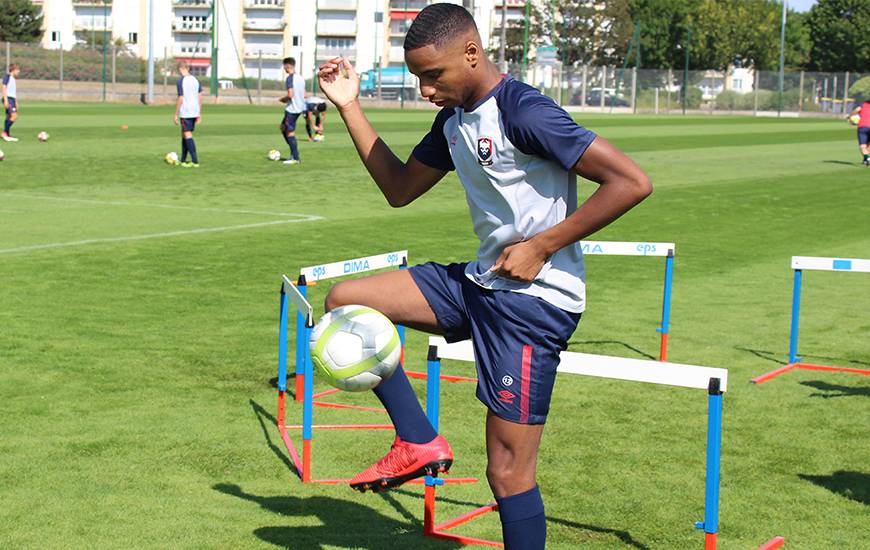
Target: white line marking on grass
{"points": [[303, 218], [151, 205]]}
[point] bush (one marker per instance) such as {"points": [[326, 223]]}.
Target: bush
{"points": [[79, 64]]}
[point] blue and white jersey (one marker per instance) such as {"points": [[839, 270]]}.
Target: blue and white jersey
{"points": [[312, 101], [297, 83], [11, 87], [189, 89], [514, 152]]}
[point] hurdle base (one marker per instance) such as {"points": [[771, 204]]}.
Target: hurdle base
{"points": [[430, 529], [806, 366], [772, 544]]}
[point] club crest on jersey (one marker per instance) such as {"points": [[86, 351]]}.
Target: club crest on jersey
{"points": [[485, 151]]}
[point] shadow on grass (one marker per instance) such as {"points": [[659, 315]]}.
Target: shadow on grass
{"points": [[340, 523], [852, 485], [843, 162], [772, 357], [262, 413], [617, 342], [835, 390], [624, 536]]}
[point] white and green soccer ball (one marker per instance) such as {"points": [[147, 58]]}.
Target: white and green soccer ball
{"points": [[42, 136], [355, 347], [171, 158], [274, 154]]}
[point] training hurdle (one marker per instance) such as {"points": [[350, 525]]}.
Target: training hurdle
{"points": [[809, 263], [297, 295], [713, 380]]}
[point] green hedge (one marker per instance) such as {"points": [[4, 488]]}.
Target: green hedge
{"points": [[79, 64]]}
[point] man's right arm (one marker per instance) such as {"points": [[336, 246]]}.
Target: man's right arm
{"points": [[400, 182]]}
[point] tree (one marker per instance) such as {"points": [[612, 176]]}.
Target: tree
{"points": [[20, 21], [798, 41], [663, 27], [594, 32], [724, 30], [514, 35], [840, 33], [860, 90]]}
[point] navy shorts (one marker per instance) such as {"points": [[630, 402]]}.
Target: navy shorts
{"points": [[289, 123], [517, 339], [864, 136], [13, 106], [188, 124]]}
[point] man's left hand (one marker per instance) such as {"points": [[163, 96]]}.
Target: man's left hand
{"points": [[522, 261]]}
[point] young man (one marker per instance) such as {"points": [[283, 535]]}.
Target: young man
{"points": [[295, 101], [188, 112], [517, 154], [10, 100], [863, 111], [315, 116]]}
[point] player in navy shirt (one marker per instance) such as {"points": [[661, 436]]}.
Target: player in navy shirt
{"points": [[10, 100], [517, 155]]}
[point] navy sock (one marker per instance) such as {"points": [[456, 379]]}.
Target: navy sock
{"points": [[191, 147], [183, 150], [294, 148], [523, 523], [6, 126], [404, 408]]}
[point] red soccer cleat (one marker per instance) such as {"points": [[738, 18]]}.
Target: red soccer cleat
{"points": [[404, 462]]}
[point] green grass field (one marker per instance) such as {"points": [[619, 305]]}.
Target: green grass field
{"points": [[138, 334]]}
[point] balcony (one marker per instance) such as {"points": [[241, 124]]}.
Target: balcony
{"points": [[336, 27], [187, 51], [91, 3], [264, 5], [88, 23], [265, 25], [191, 4], [397, 55], [329, 53], [337, 5], [403, 5], [195, 26], [270, 52]]}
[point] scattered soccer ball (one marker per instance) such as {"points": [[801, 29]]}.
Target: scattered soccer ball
{"points": [[171, 158], [274, 154], [2, 155], [42, 136], [854, 119], [355, 347], [318, 137]]}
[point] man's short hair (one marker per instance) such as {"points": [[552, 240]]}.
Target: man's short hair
{"points": [[289, 61], [183, 65], [438, 24], [321, 107], [13, 66]]}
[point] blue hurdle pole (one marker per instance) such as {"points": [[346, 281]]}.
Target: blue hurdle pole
{"points": [[710, 525], [795, 316], [301, 341], [307, 404], [666, 305], [433, 386], [399, 328], [282, 341]]}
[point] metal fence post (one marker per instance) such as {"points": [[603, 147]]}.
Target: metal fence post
{"points": [[757, 83], [60, 75], [8, 54], [634, 89], [114, 72], [260, 77], [583, 87], [657, 101], [603, 85], [846, 93], [165, 73], [670, 83], [801, 94], [834, 95]]}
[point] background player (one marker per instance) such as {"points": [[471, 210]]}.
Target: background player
{"points": [[517, 155], [10, 100], [315, 116], [295, 101], [863, 111], [188, 112]]}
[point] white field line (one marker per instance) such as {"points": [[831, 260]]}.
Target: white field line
{"points": [[157, 235], [151, 205]]}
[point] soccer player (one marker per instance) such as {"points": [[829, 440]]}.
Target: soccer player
{"points": [[10, 100], [315, 112], [863, 111], [517, 154], [188, 112], [295, 101]]}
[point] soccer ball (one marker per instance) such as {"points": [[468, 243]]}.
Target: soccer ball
{"points": [[355, 347], [854, 119], [318, 137], [274, 154], [42, 136], [171, 158], [2, 155]]}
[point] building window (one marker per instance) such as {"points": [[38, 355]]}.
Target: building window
{"points": [[297, 39], [737, 83], [199, 71], [55, 36], [133, 37]]}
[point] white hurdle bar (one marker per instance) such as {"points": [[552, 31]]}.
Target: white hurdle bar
{"points": [[713, 380]]}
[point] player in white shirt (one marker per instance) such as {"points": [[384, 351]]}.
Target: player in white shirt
{"points": [[188, 113], [517, 154], [295, 101], [10, 100]]}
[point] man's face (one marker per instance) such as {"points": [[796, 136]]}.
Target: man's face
{"points": [[444, 72], [15, 71], [288, 68]]}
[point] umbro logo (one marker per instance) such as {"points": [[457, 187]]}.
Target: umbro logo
{"points": [[506, 397]]}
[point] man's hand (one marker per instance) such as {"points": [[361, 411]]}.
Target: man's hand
{"points": [[522, 261], [199, 120], [284, 99], [341, 89], [175, 119]]}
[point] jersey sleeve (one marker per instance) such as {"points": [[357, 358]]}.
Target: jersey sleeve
{"points": [[432, 149], [6, 79], [289, 82], [198, 86], [536, 125], [180, 86]]}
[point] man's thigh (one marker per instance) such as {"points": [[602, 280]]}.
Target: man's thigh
{"points": [[395, 294]]}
